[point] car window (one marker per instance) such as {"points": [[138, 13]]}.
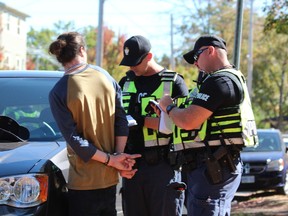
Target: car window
{"points": [[26, 101], [268, 141], [285, 139]]}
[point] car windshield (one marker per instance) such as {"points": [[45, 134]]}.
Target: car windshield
{"points": [[285, 139], [26, 101], [268, 141]]}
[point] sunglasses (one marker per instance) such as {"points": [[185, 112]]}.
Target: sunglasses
{"points": [[198, 53]]}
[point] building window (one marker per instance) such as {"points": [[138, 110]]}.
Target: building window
{"points": [[6, 60], [8, 22], [18, 27]]}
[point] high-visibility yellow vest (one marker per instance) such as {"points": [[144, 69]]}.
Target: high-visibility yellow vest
{"points": [[151, 137], [236, 124]]}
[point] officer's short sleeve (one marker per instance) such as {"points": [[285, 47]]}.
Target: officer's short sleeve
{"points": [[214, 93]]}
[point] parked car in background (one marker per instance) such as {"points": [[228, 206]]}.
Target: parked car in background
{"points": [[265, 167], [33, 156]]}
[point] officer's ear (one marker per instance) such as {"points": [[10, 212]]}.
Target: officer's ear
{"points": [[149, 56], [212, 50]]}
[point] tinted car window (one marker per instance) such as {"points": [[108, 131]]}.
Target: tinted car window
{"points": [[285, 139], [31, 109], [267, 142]]}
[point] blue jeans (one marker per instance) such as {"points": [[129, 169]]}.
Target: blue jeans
{"points": [[155, 190], [209, 199], [100, 202]]}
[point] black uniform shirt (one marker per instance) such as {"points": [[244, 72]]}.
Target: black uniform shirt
{"points": [[217, 92]]}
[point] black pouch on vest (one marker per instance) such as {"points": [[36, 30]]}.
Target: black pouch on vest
{"points": [[214, 170]]}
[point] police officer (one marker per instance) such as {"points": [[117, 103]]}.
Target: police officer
{"points": [[213, 128], [156, 188]]}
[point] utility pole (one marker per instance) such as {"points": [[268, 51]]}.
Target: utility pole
{"points": [[99, 45], [172, 60], [250, 51], [209, 17], [238, 34]]}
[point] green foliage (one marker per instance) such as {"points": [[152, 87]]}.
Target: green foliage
{"points": [[277, 17], [270, 78], [269, 96], [38, 43], [90, 38], [61, 27], [208, 17]]}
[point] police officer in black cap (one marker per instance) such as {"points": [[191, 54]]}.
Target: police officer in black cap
{"points": [[216, 125], [156, 188]]}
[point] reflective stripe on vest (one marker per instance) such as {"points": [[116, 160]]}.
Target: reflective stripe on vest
{"points": [[128, 89], [199, 144]]}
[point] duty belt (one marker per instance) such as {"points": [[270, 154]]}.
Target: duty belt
{"points": [[154, 155], [196, 157], [195, 144]]}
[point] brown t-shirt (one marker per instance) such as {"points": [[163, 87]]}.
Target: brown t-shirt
{"points": [[86, 106]]}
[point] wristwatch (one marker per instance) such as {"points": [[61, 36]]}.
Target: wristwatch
{"points": [[170, 107]]}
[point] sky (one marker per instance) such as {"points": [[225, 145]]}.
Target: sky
{"points": [[150, 18]]}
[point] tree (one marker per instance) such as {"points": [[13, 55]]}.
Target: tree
{"points": [[37, 56], [205, 17], [38, 44], [276, 29], [269, 77], [112, 50], [277, 17]]}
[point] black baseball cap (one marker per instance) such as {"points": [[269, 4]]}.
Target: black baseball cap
{"points": [[205, 40], [134, 50]]}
